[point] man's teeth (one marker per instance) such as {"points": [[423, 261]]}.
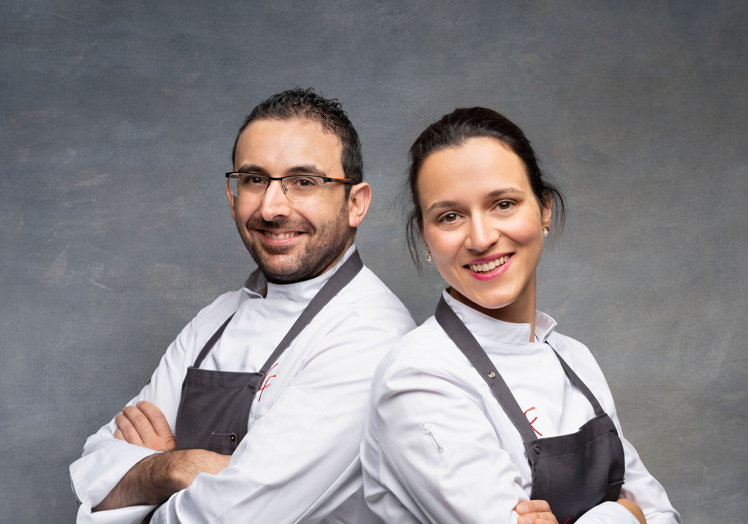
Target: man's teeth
{"points": [[482, 268], [281, 236]]}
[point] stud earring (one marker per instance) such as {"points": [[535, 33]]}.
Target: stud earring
{"points": [[546, 231], [429, 257]]}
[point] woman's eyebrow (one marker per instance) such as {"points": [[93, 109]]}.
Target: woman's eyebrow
{"points": [[503, 191], [489, 196], [442, 203]]}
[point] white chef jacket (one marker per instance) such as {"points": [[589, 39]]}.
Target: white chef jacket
{"points": [[426, 395], [299, 462]]}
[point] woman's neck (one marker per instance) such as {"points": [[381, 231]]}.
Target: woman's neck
{"points": [[521, 311]]}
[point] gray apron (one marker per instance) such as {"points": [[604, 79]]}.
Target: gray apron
{"points": [[573, 473], [214, 408]]}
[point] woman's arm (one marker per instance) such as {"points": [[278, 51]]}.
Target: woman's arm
{"points": [[439, 455], [640, 487]]}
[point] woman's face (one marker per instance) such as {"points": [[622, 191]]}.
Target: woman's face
{"points": [[483, 226]]}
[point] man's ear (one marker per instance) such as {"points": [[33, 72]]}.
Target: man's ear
{"points": [[231, 200], [359, 200]]}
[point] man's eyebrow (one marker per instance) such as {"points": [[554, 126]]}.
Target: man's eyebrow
{"points": [[489, 196], [252, 168], [309, 169]]}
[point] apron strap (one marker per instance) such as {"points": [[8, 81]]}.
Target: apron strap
{"points": [[211, 342], [471, 348], [579, 384], [332, 287]]}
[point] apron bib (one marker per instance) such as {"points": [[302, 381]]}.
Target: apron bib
{"points": [[214, 409], [573, 473]]}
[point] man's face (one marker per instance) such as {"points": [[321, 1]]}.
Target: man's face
{"points": [[292, 240]]}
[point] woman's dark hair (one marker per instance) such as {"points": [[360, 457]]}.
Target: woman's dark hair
{"points": [[454, 130]]}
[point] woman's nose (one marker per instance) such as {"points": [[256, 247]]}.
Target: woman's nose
{"points": [[482, 235]]}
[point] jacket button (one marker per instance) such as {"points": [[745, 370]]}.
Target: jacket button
{"points": [[537, 450], [233, 438], [492, 375]]}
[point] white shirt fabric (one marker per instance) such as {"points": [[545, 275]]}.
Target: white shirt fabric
{"points": [[426, 395], [300, 460]]}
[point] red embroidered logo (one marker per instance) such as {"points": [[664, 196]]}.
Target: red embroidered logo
{"points": [[266, 381], [532, 421]]}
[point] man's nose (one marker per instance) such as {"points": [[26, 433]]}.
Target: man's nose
{"points": [[274, 202], [482, 234]]}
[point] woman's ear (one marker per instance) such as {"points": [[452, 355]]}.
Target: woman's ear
{"points": [[423, 239], [546, 210]]}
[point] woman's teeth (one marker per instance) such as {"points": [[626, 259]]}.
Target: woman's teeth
{"points": [[281, 236], [482, 268]]}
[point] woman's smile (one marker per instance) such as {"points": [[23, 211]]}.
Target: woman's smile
{"points": [[487, 268]]}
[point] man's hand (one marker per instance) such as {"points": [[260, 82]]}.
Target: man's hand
{"points": [[157, 477], [634, 508], [535, 512], [145, 425]]}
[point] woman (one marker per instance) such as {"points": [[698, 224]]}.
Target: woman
{"points": [[485, 406]]}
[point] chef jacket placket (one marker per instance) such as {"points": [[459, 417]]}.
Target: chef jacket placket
{"points": [[214, 408], [574, 472]]}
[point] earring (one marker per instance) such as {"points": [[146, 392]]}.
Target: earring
{"points": [[546, 231], [428, 256]]}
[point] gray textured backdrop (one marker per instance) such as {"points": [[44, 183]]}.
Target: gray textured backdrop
{"points": [[117, 120]]}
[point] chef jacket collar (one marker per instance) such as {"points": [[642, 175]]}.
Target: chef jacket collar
{"points": [[257, 285], [485, 327]]}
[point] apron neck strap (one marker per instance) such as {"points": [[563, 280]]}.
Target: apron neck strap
{"points": [[332, 287], [471, 348], [579, 384], [211, 342], [466, 342]]}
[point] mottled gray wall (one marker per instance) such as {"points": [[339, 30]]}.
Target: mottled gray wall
{"points": [[116, 124]]}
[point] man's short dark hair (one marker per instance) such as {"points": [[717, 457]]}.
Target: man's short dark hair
{"points": [[308, 105]]}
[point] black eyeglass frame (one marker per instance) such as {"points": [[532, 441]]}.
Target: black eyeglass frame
{"points": [[325, 179]]}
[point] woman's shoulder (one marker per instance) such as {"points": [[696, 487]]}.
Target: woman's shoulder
{"points": [[583, 362], [425, 352], [574, 352], [423, 343]]}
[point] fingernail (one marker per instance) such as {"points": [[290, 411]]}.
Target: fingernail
{"points": [[522, 509]]}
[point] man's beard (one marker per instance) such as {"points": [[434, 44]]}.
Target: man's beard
{"points": [[324, 246]]}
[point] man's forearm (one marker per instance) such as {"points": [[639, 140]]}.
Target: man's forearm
{"points": [[148, 482], [157, 477]]}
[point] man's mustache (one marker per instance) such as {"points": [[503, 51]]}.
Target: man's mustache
{"points": [[257, 222]]}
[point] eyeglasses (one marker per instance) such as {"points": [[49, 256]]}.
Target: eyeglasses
{"points": [[251, 186]]}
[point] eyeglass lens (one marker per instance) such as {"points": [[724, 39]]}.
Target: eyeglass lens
{"points": [[298, 187]]}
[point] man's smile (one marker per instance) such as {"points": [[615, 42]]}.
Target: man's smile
{"points": [[280, 235]]}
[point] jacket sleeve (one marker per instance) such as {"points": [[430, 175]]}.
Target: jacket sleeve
{"points": [[639, 485], [105, 459], [440, 455], [301, 458]]}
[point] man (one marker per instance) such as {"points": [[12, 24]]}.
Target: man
{"points": [[255, 412]]}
